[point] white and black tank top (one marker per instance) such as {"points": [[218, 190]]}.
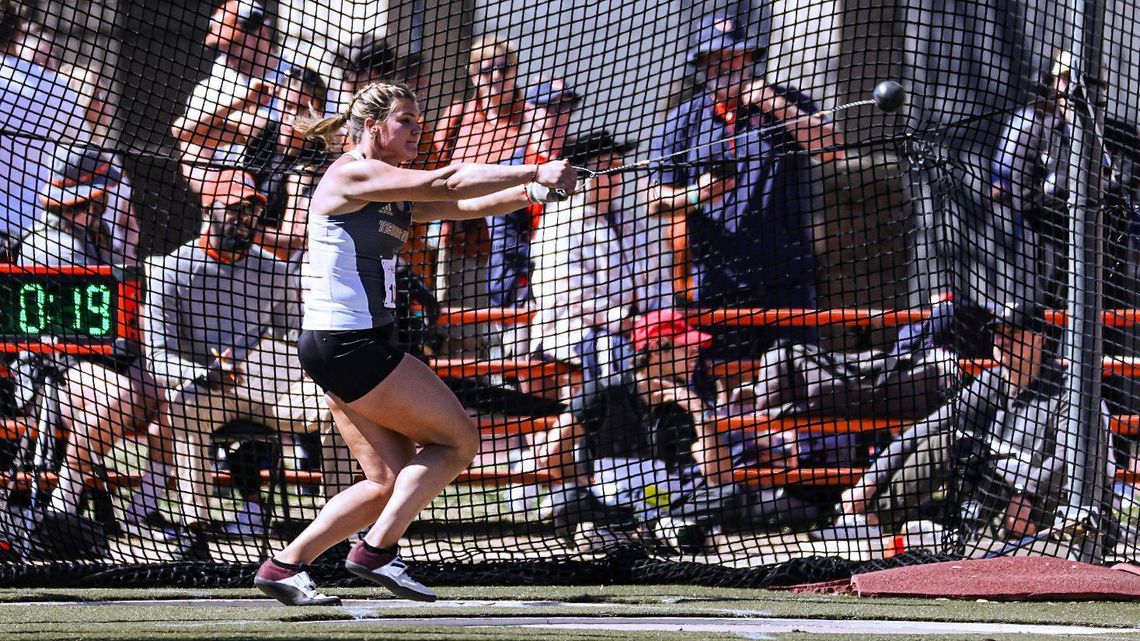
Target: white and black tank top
{"points": [[350, 280]]}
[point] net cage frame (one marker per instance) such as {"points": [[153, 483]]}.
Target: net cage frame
{"points": [[1000, 190]]}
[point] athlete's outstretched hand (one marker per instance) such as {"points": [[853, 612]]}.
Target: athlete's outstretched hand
{"points": [[557, 174]]}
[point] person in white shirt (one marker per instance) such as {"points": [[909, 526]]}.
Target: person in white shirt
{"points": [[38, 109], [231, 106], [582, 281]]}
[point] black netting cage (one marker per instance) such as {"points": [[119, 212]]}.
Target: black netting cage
{"points": [[569, 291]]}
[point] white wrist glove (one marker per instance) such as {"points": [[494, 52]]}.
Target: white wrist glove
{"points": [[542, 194]]}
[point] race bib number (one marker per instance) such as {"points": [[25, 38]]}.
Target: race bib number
{"points": [[389, 265]]}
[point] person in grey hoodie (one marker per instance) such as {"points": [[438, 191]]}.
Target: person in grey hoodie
{"points": [[216, 311]]}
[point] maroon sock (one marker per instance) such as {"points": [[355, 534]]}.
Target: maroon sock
{"points": [[274, 570], [372, 557]]}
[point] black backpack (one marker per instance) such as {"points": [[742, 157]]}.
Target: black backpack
{"points": [[805, 379]]}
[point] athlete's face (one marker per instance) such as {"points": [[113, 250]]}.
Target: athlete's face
{"points": [[397, 137]]}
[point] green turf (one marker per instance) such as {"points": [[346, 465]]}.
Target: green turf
{"points": [[24, 616]]}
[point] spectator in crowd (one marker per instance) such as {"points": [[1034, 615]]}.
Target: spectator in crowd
{"points": [[215, 307], [371, 61], [39, 108], [1122, 273], [740, 208], [39, 48], [93, 90], [1030, 179], [647, 241], [99, 403], [485, 128], [582, 284], [284, 165], [999, 435], [584, 291], [230, 107], [549, 106]]}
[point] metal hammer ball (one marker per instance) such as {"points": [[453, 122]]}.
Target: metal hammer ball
{"points": [[889, 96]]}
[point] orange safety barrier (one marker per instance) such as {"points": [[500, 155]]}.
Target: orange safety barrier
{"points": [[52, 348], [1122, 366], [781, 476], [766, 477], [510, 368], [817, 424], [511, 425], [502, 315], [12, 429], [1123, 424], [782, 317]]}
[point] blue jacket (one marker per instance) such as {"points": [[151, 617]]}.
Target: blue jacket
{"points": [[754, 247]]}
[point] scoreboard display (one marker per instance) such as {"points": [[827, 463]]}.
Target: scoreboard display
{"points": [[91, 307]]}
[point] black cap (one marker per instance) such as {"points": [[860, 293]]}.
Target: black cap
{"points": [[372, 55], [1024, 315], [579, 149]]}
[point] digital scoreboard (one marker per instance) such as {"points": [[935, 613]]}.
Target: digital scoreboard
{"points": [[87, 308]]}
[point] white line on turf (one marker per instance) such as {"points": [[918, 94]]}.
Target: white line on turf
{"points": [[749, 625]]}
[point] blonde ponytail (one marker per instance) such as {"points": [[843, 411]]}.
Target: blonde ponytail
{"points": [[375, 101], [325, 129]]}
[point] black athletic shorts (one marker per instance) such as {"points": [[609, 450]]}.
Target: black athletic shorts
{"points": [[349, 363]]}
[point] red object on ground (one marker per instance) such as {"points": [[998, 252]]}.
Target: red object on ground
{"points": [[1020, 578]]}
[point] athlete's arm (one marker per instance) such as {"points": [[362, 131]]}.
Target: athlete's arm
{"points": [[376, 181], [496, 204]]}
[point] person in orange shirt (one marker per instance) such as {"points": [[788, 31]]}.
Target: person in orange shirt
{"points": [[485, 128]]}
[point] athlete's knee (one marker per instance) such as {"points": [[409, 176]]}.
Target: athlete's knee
{"points": [[466, 441], [376, 491]]}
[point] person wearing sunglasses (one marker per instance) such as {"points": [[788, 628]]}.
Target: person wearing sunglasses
{"points": [[484, 128]]}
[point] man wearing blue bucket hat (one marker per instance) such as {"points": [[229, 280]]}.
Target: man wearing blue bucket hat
{"points": [[70, 230], [740, 205], [99, 402]]}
